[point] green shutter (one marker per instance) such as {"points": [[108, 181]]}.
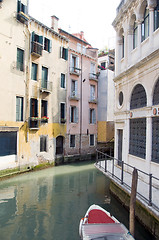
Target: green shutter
{"points": [[41, 40], [18, 6], [66, 54], [50, 46]]}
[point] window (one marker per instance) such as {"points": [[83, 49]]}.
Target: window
{"points": [[78, 47], [93, 70], [43, 143], [33, 107], [145, 25], [91, 140], [47, 45], [156, 16], [62, 80], [8, 143], [21, 12], [44, 77], [92, 92], [92, 116], [34, 71], [74, 64], [74, 86], [138, 97], [103, 65], [19, 109], [121, 98], [137, 143], [36, 44], [62, 113], [73, 114], [64, 53], [135, 29], [72, 140], [21, 7], [44, 107], [123, 47], [20, 59]]}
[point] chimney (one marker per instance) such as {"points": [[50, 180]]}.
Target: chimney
{"points": [[82, 35], [54, 23]]}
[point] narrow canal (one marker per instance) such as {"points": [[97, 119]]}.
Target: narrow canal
{"points": [[49, 204]]}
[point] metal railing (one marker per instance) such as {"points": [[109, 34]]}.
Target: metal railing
{"points": [[148, 185], [46, 86], [93, 76], [36, 48]]}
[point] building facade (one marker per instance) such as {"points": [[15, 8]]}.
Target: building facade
{"points": [[81, 137], [34, 66], [137, 83], [106, 92]]}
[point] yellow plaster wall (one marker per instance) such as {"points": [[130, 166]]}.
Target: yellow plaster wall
{"points": [[105, 131]]}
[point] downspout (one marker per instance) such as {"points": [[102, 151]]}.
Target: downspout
{"points": [[80, 140]]}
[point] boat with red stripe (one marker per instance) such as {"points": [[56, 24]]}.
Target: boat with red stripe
{"points": [[98, 224]]}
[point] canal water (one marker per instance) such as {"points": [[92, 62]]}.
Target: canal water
{"points": [[49, 204]]}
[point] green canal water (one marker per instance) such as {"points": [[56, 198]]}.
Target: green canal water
{"points": [[49, 204]]}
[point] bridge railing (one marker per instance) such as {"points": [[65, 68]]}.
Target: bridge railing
{"points": [[148, 185]]}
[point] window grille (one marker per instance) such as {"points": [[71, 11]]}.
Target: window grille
{"points": [[137, 143], [155, 139], [138, 97]]}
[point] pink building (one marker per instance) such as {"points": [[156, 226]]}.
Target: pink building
{"points": [[82, 82]]}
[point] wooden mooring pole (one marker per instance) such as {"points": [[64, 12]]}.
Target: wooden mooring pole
{"points": [[133, 202]]}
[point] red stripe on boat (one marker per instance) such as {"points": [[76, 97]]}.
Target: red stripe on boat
{"points": [[97, 216]]}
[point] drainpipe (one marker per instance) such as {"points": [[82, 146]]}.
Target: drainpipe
{"points": [[80, 140]]}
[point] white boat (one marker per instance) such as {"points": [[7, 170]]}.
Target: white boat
{"points": [[98, 224]]}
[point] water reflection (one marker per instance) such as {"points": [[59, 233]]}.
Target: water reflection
{"points": [[50, 203]]}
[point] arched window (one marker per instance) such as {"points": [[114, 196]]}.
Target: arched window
{"points": [[156, 94], [145, 25], [135, 27], [156, 16], [138, 97]]}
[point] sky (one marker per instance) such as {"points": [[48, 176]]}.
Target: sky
{"points": [[94, 18]]}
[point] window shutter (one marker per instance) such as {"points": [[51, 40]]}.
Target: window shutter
{"points": [[70, 113], [61, 51], [32, 36], [94, 116], [21, 108], [76, 115], [76, 89], [66, 54], [18, 6], [31, 100], [17, 108], [89, 115], [41, 40], [36, 108], [50, 46]]}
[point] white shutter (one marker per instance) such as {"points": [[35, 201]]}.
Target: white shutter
{"points": [[76, 88], [94, 116], [70, 113], [76, 116], [77, 63], [61, 51]]}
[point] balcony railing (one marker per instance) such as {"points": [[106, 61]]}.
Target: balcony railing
{"points": [[74, 96], [36, 49], [34, 123], [75, 70], [93, 76], [46, 86], [22, 17], [93, 100]]}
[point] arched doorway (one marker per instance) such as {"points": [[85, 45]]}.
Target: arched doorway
{"points": [[59, 145]]}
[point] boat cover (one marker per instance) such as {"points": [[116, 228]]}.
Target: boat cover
{"points": [[109, 231]]}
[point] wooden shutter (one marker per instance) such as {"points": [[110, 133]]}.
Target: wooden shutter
{"points": [[66, 54], [61, 52], [76, 87], [41, 40], [17, 108], [76, 114], [18, 6]]}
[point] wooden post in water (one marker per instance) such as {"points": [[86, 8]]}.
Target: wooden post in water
{"points": [[133, 202]]}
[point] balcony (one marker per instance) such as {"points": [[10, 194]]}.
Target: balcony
{"points": [[93, 76], [46, 86], [44, 119], [75, 71], [93, 100], [34, 123], [74, 96], [22, 17], [36, 49], [63, 120]]}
